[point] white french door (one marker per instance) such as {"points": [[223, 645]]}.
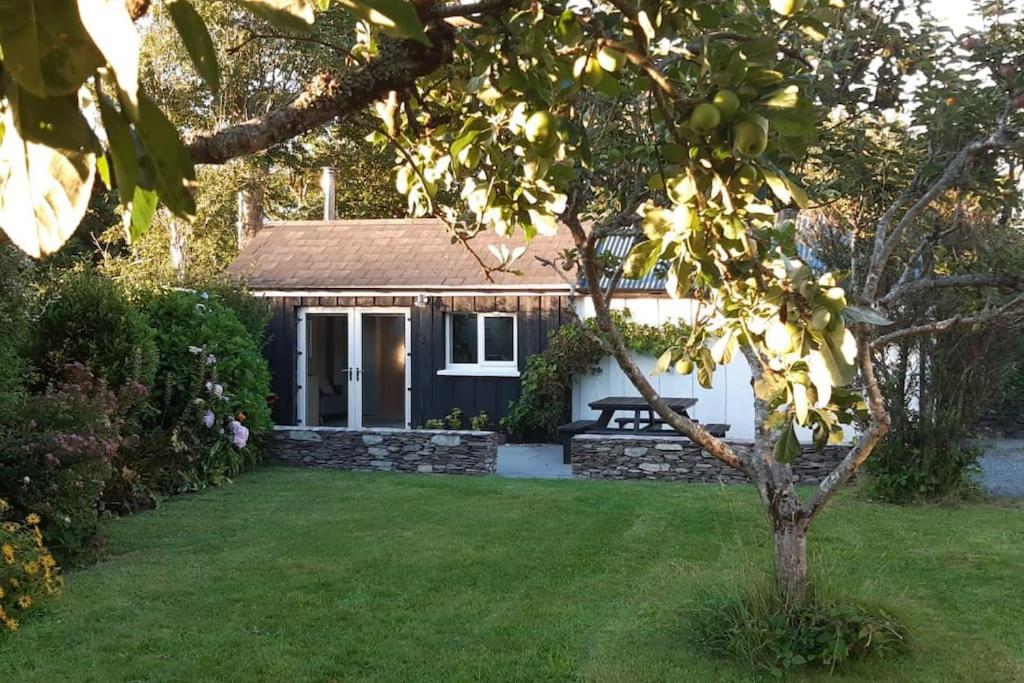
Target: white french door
{"points": [[353, 367]]}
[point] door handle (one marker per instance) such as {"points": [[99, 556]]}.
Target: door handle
{"points": [[358, 370]]}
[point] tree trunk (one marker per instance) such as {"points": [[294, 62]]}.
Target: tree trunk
{"points": [[791, 560]]}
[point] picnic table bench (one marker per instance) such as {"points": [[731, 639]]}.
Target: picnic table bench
{"points": [[639, 424]]}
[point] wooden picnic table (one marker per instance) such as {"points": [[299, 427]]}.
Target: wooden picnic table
{"points": [[637, 404]]}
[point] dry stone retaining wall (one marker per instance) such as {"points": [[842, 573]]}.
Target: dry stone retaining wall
{"points": [[452, 452], [603, 456]]}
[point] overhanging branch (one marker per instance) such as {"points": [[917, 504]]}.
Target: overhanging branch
{"points": [[1011, 309], [1005, 282]]}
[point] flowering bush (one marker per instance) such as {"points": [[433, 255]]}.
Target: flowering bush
{"points": [[28, 571], [210, 392], [58, 463]]}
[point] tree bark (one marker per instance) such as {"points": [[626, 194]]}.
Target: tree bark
{"points": [[791, 560]]}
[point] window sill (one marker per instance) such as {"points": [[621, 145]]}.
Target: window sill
{"points": [[478, 371]]}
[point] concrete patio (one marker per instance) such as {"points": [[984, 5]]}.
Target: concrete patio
{"points": [[532, 461]]}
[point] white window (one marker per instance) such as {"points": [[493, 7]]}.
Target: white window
{"points": [[480, 344]]}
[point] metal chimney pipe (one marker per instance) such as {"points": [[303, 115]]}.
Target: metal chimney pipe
{"points": [[327, 183]]}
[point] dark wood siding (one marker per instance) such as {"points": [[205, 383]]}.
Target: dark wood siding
{"points": [[433, 396]]}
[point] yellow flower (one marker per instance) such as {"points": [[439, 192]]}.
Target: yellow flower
{"points": [[10, 527], [24, 602], [33, 519], [47, 561], [2, 594], [15, 583], [8, 553], [3, 505], [11, 624], [31, 568]]}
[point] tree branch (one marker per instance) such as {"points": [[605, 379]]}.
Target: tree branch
{"points": [[327, 97], [1005, 282], [885, 242], [1013, 307], [878, 427]]}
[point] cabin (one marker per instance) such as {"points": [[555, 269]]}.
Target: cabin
{"points": [[387, 323]]}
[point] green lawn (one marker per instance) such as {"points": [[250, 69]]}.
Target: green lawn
{"points": [[303, 575]]}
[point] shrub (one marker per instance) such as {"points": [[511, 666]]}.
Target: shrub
{"points": [[481, 423], [58, 463], [210, 392], [86, 318], [14, 305], [252, 312], [29, 573], [923, 459], [572, 352], [761, 630]]}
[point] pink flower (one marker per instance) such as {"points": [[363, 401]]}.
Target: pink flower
{"points": [[208, 419], [239, 433]]}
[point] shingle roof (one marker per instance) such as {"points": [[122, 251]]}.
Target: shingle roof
{"points": [[385, 254]]}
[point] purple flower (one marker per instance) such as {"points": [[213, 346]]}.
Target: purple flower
{"points": [[239, 433], [211, 359], [208, 419]]}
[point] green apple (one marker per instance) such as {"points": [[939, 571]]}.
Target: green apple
{"points": [[745, 175], [748, 138], [540, 128], [820, 319], [610, 59], [780, 337], [787, 8], [684, 366], [705, 118], [588, 71], [727, 103]]}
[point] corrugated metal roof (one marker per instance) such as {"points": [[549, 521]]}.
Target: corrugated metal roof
{"points": [[654, 281]]}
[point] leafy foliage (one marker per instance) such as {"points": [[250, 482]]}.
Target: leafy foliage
{"points": [[924, 459], [211, 388], [775, 637], [87, 318], [56, 461], [14, 321]]}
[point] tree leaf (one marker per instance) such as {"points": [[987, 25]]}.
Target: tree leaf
{"points": [[173, 172], [51, 121], [198, 43], [44, 192], [141, 209], [800, 403], [785, 189], [291, 15], [677, 281], [45, 47], [393, 17], [113, 32], [864, 314], [664, 360], [122, 150], [787, 448], [642, 258]]}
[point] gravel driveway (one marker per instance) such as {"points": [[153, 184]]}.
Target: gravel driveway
{"points": [[1002, 467]]}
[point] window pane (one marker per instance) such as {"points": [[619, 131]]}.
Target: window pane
{"points": [[464, 338], [498, 342]]}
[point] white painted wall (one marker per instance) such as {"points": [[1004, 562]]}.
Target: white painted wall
{"points": [[729, 401]]}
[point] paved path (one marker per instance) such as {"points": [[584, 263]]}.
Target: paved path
{"points": [[1002, 467], [537, 461]]}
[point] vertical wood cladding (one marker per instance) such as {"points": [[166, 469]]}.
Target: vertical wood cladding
{"points": [[433, 396]]}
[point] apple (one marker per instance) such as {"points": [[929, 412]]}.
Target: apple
{"points": [[610, 59], [588, 71], [705, 118], [540, 128], [780, 337], [1007, 71], [745, 175], [820, 319], [728, 104], [748, 138], [684, 366], [787, 8]]}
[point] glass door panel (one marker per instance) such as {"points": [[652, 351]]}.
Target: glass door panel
{"points": [[382, 372]]}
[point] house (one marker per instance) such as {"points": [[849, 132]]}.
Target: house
{"points": [[386, 323]]}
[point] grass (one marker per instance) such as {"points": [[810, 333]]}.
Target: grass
{"points": [[304, 575]]}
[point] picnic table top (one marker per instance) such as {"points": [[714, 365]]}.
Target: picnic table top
{"points": [[640, 403]]}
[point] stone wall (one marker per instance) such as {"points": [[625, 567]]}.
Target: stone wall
{"points": [[603, 456], [395, 450]]}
